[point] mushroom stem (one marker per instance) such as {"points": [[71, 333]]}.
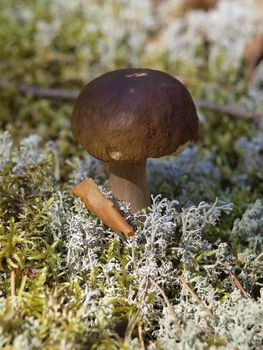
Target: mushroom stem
{"points": [[128, 182]]}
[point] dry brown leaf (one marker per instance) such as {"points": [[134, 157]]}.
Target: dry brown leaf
{"points": [[179, 10], [94, 201], [199, 5], [259, 5], [253, 54]]}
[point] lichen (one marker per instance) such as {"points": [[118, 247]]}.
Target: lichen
{"points": [[191, 277]]}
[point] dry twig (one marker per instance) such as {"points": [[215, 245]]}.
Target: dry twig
{"points": [[236, 283], [59, 94], [50, 93], [230, 110], [195, 297], [177, 326]]}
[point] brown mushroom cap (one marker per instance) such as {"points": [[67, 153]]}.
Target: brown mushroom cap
{"points": [[130, 115]]}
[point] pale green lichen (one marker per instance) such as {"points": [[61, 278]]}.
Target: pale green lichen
{"points": [[88, 288]]}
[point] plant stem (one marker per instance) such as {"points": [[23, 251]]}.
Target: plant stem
{"points": [[13, 283], [22, 285]]}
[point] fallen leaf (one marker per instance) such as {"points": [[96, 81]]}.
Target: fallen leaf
{"points": [[97, 204], [253, 54], [205, 5]]}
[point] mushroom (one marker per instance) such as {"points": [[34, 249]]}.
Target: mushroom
{"points": [[126, 116]]}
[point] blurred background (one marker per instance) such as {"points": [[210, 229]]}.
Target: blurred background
{"points": [[213, 46]]}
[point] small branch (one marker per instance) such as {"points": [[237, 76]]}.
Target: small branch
{"points": [[50, 93], [237, 284], [177, 326], [195, 297], [60, 94], [231, 110]]}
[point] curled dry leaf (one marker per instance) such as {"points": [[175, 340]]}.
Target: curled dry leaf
{"points": [[259, 5], [97, 204], [253, 54], [199, 5]]}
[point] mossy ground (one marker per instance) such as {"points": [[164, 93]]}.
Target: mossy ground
{"points": [[78, 285]]}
